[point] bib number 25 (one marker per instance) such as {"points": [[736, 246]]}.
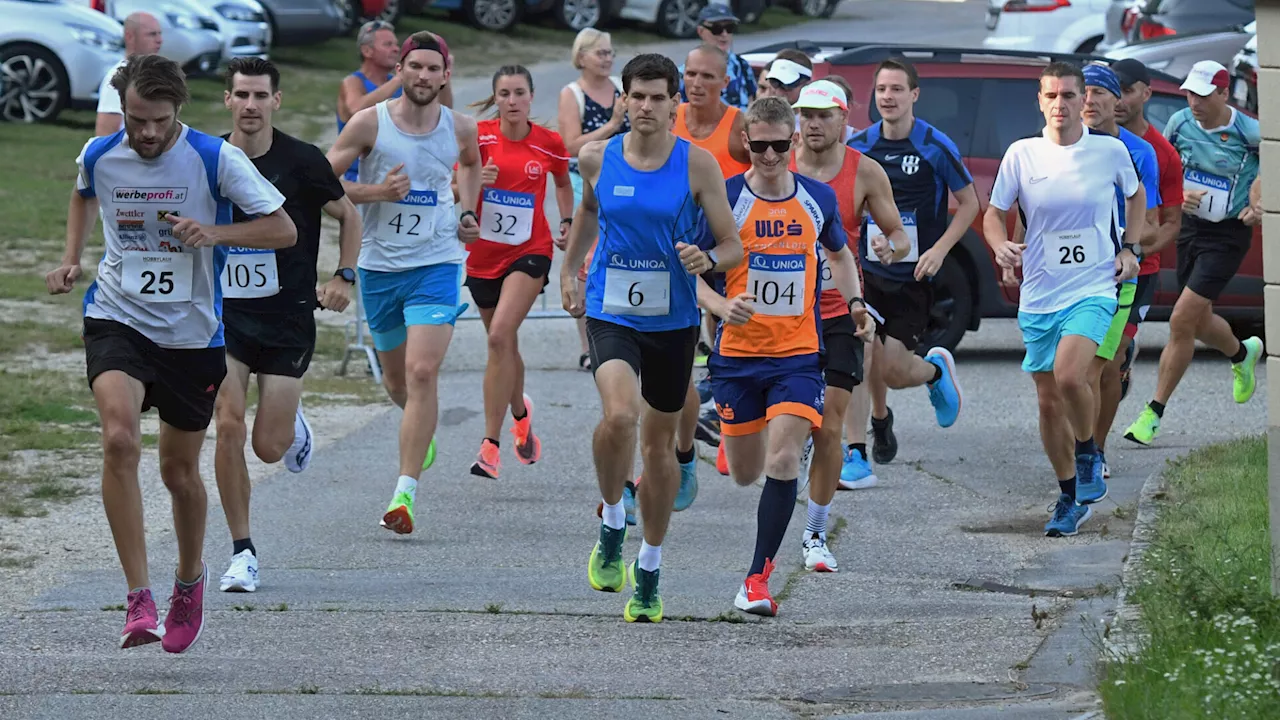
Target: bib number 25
{"points": [[156, 283]]}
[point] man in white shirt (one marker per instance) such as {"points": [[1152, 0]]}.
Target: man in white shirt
{"points": [[142, 36], [1064, 182]]}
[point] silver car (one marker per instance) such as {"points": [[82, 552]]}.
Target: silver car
{"points": [[191, 35], [299, 22], [1176, 54], [244, 28], [53, 56]]}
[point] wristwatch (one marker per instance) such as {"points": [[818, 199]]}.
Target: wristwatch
{"points": [[566, 220], [346, 274], [711, 255], [853, 300], [466, 213], [1134, 248]]}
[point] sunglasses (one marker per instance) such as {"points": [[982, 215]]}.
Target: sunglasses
{"points": [[760, 146], [721, 28]]}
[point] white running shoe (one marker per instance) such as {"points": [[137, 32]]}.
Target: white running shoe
{"points": [[299, 455], [806, 460], [818, 557], [242, 576]]}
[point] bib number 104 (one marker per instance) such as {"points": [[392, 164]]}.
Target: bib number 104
{"points": [[770, 292]]}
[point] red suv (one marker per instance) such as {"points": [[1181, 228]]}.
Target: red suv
{"points": [[985, 100]]}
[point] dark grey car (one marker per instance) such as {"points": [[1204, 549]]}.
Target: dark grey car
{"points": [[1157, 18], [301, 22]]}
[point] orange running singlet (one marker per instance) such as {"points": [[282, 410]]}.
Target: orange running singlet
{"points": [[780, 239], [832, 302], [717, 143]]}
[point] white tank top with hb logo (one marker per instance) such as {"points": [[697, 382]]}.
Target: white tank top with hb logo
{"points": [[421, 229]]}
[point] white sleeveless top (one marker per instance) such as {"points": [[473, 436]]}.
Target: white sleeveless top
{"points": [[421, 229]]}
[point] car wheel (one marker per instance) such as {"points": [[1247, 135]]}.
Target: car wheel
{"points": [[391, 11], [577, 14], [952, 310], [749, 11], [1088, 46], [33, 85], [679, 18], [817, 8], [493, 15]]}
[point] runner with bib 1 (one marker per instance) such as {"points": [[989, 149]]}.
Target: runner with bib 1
{"points": [[508, 266], [908, 226]]}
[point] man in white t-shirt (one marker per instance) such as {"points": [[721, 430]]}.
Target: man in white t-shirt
{"points": [[142, 36], [1064, 182]]}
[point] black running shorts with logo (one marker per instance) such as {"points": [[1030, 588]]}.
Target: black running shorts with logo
{"points": [[842, 353], [905, 307], [1210, 254], [271, 343], [180, 384], [486, 291], [662, 360]]}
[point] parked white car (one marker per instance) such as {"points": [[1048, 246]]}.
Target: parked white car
{"points": [[244, 28], [192, 37], [1059, 26], [53, 56], [672, 18]]}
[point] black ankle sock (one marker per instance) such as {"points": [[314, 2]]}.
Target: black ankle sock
{"points": [[495, 442], [861, 448], [1157, 408], [777, 503], [684, 457], [937, 374], [880, 423], [522, 415], [239, 546], [1068, 486], [1240, 355], [1087, 447]]}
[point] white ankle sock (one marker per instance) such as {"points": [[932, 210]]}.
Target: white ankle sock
{"points": [[407, 484], [614, 516], [650, 556], [817, 521]]}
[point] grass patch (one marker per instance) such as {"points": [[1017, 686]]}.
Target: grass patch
{"points": [[1212, 645], [44, 411], [30, 286], [22, 335]]}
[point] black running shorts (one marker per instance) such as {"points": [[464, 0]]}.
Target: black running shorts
{"points": [[1209, 254], [180, 384], [486, 291], [842, 352], [271, 343], [905, 307], [662, 360]]}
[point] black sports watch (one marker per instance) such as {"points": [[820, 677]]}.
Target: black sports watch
{"points": [[711, 255], [346, 274], [468, 212], [1134, 248]]}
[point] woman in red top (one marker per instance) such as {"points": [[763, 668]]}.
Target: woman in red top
{"points": [[507, 267]]}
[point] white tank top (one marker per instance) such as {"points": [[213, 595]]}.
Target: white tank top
{"points": [[421, 229]]}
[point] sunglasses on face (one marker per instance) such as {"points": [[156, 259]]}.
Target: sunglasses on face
{"points": [[721, 28], [760, 146]]}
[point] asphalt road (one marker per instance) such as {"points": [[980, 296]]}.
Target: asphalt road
{"points": [[950, 602]]}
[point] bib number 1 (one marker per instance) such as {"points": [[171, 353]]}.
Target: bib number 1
{"points": [[1217, 194]]}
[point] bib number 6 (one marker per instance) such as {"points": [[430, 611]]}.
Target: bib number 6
{"points": [[635, 298]]}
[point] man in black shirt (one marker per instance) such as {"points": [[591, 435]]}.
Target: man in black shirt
{"points": [[269, 301]]}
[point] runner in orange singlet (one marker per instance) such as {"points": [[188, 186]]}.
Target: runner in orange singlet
{"points": [[858, 185]]}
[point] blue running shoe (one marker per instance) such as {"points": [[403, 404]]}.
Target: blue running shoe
{"points": [[629, 502], [688, 485], [1090, 487], [944, 394], [1067, 517], [855, 473]]}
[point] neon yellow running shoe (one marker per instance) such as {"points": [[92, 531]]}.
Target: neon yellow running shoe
{"points": [[431, 455], [1245, 381], [1145, 428], [645, 604], [605, 570], [399, 515]]}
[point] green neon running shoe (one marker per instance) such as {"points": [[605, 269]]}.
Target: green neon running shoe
{"points": [[645, 604], [431, 455], [1145, 428], [605, 570], [1245, 381], [399, 515]]}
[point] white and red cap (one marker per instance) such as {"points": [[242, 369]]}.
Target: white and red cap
{"points": [[822, 95], [1206, 76]]}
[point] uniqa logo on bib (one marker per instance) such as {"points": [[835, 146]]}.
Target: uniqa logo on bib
{"points": [[618, 261], [508, 198], [776, 263], [420, 197]]}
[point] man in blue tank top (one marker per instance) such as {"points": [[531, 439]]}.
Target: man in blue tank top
{"points": [[375, 81], [645, 193]]}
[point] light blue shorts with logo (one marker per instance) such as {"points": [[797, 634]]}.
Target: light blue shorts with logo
{"points": [[1041, 332], [418, 296]]}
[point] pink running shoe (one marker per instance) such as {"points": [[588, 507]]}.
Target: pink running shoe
{"points": [[142, 625], [185, 620]]}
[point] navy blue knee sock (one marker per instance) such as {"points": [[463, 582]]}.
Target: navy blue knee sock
{"points": [[777, 502]]}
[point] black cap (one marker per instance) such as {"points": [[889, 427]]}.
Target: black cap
{"points": [[1131, 71]]}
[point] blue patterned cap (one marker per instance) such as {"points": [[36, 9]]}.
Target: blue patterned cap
{"points": [[1103, 77]]}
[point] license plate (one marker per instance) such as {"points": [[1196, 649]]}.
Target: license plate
{"points": [[993, 18]]}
